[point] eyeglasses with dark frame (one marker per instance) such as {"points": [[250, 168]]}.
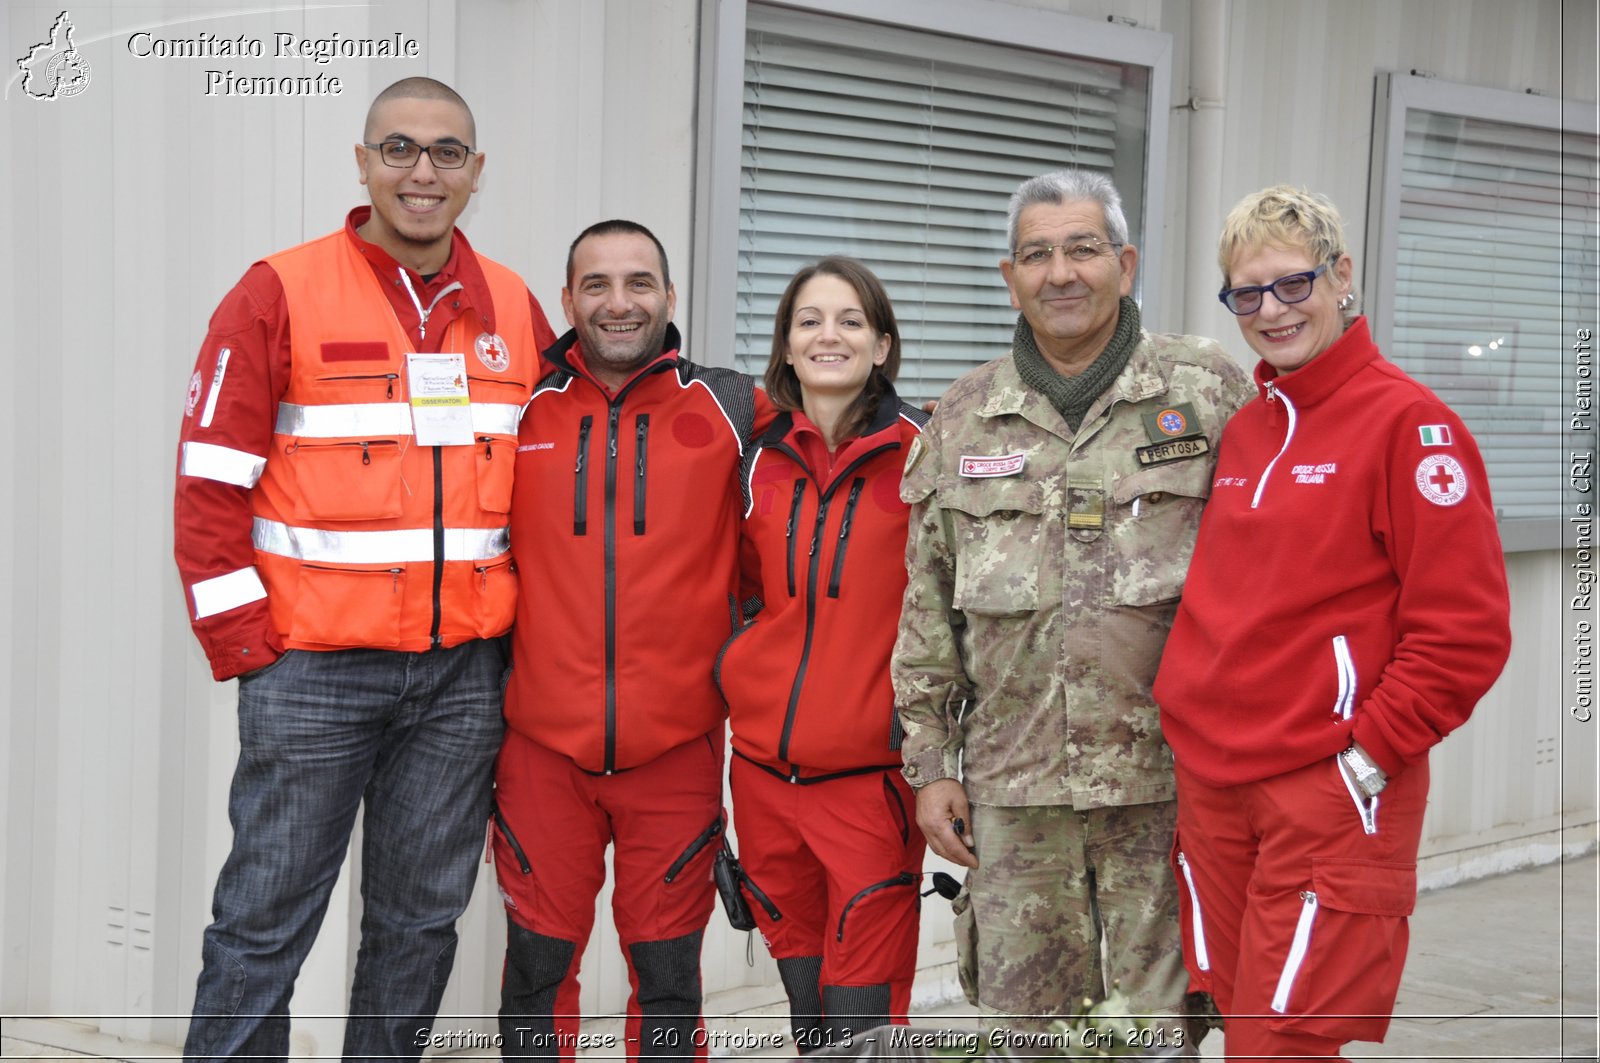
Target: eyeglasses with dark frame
{"points": [[404, 154], [1288, 289], [1082, 249]]}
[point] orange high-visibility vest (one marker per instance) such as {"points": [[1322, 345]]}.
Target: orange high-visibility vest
{"points": [[362, 537]]}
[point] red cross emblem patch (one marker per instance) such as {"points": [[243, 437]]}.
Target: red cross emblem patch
{"points": [[1441, 479]]}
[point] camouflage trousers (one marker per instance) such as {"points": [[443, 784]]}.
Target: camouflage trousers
{"points": [[1063, 906]]}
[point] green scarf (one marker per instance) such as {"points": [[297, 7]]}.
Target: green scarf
{"points": [[1073, 395]]}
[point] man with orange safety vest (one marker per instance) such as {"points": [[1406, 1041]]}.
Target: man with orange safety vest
{"points": [[343, 493]]}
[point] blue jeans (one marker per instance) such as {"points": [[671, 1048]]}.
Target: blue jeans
{"points": [[414, 737]]}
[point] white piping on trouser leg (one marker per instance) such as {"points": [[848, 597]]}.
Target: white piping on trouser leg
{"points": [[1297, 951], [1201, 957]]}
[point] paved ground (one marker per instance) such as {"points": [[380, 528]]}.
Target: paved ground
{"points": [[1504, 968]]}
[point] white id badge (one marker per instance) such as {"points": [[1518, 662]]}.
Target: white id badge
{"points": [[441, 409]]}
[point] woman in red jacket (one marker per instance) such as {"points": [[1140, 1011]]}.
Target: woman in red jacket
{"points": [[1345, 609], [827, 827]]}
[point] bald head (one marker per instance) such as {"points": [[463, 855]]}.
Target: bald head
{"points": [[418, 88]]}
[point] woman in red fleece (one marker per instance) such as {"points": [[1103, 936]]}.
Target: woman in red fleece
{"points": [[1345, 609], [827, 826]]}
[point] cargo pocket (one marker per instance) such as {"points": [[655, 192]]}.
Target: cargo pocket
{"points": [[1155, 514], [347, 480], [966, 933], [494, 456], [1342, 971], [493, 597], [1001, 543], [349, 605]]}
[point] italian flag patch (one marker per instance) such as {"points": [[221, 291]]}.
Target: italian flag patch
{"points": [[1435, 435]]}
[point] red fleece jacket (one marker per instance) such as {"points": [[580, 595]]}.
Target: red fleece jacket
{"points": [[1348, 577]]}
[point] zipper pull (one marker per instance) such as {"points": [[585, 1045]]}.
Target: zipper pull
{"points": [[488, 451], [366, 455], [394, 580], [390, 393]]}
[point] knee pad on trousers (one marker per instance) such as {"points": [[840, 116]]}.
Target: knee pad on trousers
{"points": [[536, 966], [855, 1008], [802, 977], [668, 974]]}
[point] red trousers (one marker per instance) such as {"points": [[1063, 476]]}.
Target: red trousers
{"points": [[1295, 896], [842, 861], [553, 822]]}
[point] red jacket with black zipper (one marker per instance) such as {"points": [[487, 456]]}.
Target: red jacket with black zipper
{"points": [[624, 526], [824, 540]]}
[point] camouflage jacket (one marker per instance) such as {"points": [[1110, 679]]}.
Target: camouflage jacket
{"points": [[1045, 568]]}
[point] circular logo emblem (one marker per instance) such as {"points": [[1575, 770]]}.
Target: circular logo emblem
{"points": [[194, 395], [1442, 480], [1172, 422], [67, 74], [493, 353]]}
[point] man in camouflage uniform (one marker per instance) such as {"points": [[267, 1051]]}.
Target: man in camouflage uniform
{"points": [[1056, 495]]}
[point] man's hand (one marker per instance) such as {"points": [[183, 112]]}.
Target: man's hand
{"points": [[940, 805]]}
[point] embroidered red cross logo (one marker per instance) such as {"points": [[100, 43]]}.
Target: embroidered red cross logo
{"points": [[1441, 479]]}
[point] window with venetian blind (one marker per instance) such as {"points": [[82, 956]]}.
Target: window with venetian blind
{"points": [[901, 148], [1487, 204]]}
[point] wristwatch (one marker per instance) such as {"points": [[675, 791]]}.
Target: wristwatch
{"points": [[1368, 777]]}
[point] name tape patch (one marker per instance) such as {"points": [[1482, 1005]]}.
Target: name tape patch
{"points": [[1173, 450], [981, 467]]}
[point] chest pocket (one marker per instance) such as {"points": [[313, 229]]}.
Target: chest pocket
{"points": [[1001, 537], [1155, 516]]}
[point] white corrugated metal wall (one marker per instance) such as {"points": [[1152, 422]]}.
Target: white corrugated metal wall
{"points": [[131, 208]]}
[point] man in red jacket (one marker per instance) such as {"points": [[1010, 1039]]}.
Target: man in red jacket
{"points": [[344, 551], [625, 530]]}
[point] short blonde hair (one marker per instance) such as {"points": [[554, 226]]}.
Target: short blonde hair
{"points": [[1282, 216]]}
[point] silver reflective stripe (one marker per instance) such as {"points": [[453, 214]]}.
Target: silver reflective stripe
{"points": [[377, 547], [495, 418], [355, 420], [221, 593], [211, 462], [368, 419]]}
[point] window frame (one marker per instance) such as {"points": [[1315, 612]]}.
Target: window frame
{"points": [[1395, 95], [714, 265]]}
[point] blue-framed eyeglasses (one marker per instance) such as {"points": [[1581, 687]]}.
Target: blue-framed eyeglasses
{"points": [[1291, 288]]}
